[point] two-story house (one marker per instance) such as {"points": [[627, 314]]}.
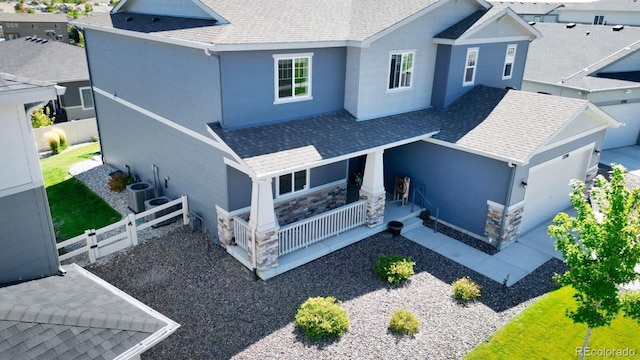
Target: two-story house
{"points": [[263, 113], [46, 26], [602, 12]]}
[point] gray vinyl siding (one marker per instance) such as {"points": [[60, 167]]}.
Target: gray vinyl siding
{"points": [[27, 237], [239, 187], [71, 98], [248, 85], [25, 29], [456, 182], [184, 82], [194, 168], [450, 67], [522, 172]]}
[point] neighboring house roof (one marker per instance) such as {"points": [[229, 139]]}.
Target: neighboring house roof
{"points": [[279, 21], [497, 123], [529, 8], [44, 60], [605, 5], [9, 82], [76, 316], [19, 17], [573, 56], [512, 125], [475, 22]]}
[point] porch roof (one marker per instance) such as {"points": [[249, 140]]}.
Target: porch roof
{"points": [[275, 147]]}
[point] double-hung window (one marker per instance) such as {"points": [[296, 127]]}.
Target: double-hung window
{"points": [[86, 98], [293, 182], [470, 67], [400, 70], [292, 77], [598, 20], [509, 59]]}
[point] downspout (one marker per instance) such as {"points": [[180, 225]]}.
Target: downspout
{"points": [[506, 205]]}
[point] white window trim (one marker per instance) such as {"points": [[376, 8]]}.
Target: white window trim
{"points": [[512, 62], [293, 192], [82, 98], [475, 66], [413, 69], [293, 98]]}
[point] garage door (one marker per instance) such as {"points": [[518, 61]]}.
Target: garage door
{"points": [[628, 114], [548, 187]]}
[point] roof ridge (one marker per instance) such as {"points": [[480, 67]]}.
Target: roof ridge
{"points": [[56, 316]]}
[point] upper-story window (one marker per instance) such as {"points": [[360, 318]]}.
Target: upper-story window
{"points": [[56, 26], [292, 77], [598, 20], [86, 98], [34, 26], [293, 182], [470, 67], [400, 70], [509, 58]]}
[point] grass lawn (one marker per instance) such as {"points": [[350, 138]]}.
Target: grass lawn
{"points": [[542, 331], [74, 207]]}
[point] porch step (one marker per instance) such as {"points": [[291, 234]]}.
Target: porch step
{"points": [[411, 223]]}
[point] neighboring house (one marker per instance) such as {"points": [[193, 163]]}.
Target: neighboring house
{"points": [[534, 11], [47, 26], [63, 64], [596, 64], [262, 112], [603, 12], [48, 311]]}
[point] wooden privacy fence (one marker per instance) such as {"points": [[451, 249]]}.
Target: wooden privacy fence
{"points": [[97, 247]]}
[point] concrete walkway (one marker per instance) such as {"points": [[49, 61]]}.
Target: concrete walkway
{"points": [[507, 267], [629, 156]]}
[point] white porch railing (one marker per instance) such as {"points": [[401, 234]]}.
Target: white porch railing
{"points": [[317, 228], [240, 231], [97, 247]]}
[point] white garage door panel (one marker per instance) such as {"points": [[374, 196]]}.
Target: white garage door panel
{"points": [[548, 188], [626, 135]]}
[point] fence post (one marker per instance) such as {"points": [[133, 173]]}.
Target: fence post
{"points": [[132, 229], [92, 244], [185, 210]]}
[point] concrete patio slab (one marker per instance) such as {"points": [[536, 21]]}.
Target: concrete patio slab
{"points": [[462, 253], [427, 237]]}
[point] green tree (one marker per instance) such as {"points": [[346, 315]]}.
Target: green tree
{"points": [[88, 8], [39, 119], [19, 7], [601, 247]]}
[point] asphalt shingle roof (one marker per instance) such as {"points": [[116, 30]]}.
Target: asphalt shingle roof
{"points": [[277, 21], [559, 56], [44, 60], [509, 125], [17, 17], [70, 317], [9, 82], [469, 23], [529, 8], [608, 5]]}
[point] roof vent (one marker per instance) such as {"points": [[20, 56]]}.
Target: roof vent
{"points": [[155, 19], [617, 27], [28, 38], [128, 18], [570, 25], [532, 23], [586, 33]]}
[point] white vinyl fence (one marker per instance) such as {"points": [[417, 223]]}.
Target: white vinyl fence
{"points": [[93, 243], [77, 131]]}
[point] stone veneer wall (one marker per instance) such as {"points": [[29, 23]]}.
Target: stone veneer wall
{"points": [[375, 207], [511, 228], [307, 205]]}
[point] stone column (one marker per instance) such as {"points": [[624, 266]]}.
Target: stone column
{"points": [[263, 224], [510, 228], [372, 189], [225, 226]]}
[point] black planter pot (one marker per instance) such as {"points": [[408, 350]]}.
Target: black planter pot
{"points": [[395, 227]]}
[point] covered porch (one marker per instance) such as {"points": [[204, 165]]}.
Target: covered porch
{"points": [[307, 240]]}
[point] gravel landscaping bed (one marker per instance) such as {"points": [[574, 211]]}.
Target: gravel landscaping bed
{"points": [[225, 313]]}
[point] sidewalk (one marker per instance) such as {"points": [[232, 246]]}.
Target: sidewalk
{"points": [[507, 267]]}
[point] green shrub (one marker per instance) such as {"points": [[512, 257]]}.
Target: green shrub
{"points": [[322, 317], [404, 322], [40, 119], [95, 139], [466, 289], [52, 138], [119, 181], [394, 269]]}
